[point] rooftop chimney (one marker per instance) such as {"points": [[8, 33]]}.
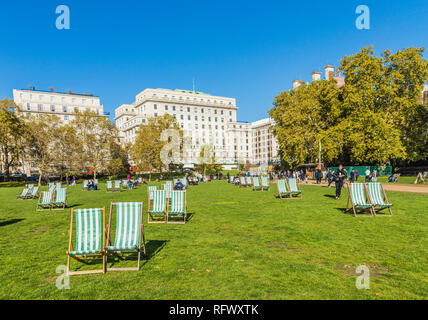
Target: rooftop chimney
{"points": [[297, 83], [329, 72], [316, 76]]}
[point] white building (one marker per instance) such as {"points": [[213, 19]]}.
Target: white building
{"points": [[62, 105], [264, 144], [207, 119]]}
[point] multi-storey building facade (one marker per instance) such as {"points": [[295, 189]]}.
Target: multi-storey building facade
{"points": [[62, 105], [264, 144], [206, 119]]}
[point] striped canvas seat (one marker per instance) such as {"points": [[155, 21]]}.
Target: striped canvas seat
{"points": [[170, 183], [184, 181], [96, 182], [109, 185], [232, 178], [58, 185], [51, 185], [158, 203], [128, 226], [177, 202], [358, 196], [282, 189], [51, 188], [61, 195], [89, 230], [150, 190], [293, 185], [24, 193], [30, 186], [256, 183], [376, 196], [33, 193], [265, 183], [85, 184], [117, 184], [243, 182], [46, 199], [249, 181]]}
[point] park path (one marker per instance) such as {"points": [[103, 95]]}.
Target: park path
{"points": [[413, 188]]}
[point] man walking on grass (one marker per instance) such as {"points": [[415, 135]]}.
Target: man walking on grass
{"points": [[339, 178]]}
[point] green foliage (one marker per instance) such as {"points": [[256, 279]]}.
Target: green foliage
{"points": [[375, 118]]}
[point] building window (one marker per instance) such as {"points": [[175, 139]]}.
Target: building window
{"points": [[166, 108], [28, 107], [66, 118], [52, 108], [155, 106], [64, 108]]}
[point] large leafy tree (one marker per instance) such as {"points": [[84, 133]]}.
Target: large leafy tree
{"points": [[12, 131], [374, 118], [146, 151]]}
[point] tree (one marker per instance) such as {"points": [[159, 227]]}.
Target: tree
{"points": [[95, 136], [375, 118], [146, 151], [42, 137], [205, 157], [11, 136]]}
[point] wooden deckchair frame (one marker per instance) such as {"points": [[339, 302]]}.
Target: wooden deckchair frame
{"points": [[264, 187], [176, 215], [22, 197], [376, 210], [245, 182], [44, 205], [30, 195], [62, 206], [150, 205], [292, 194], [82, 258], [354, 208], [122, 252], [260, 187]]}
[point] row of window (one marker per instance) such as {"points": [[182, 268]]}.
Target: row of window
{"points": [[54, 108], [57, 99]]}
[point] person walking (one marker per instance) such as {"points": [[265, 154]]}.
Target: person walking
{"points": [[367, 175], [339, 178], [374, 176], [329, 177], [357, 174], [352, 175]]}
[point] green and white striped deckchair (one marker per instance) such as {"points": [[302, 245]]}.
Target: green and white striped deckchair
{"points": [[23, 193], [109, 187], [178, 206], [85, 185], [32, 194], [232, 178], [378, 198], [168, 188], [58, 185], [265, 183], [129, 231], [30, 186], [282, 189], [60, 199], [45, 201], [51, 187], [150, 190], [256, 184], [116, 186], [157, 207], [90, 237], [292, 184], [357, 200], [249, 181], [96, 182], [170, 183], [184, 182], [243, 182]]}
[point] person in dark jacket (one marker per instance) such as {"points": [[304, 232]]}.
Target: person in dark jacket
{"points": [[339, 178]]}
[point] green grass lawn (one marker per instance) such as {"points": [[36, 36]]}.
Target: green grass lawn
{"points": [[238, 244]]}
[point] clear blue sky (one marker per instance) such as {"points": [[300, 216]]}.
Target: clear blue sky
{"points": [[250, 50]]}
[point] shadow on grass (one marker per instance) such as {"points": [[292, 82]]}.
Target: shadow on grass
{"points": [[153, 247], [330, 196], [190, 216], [9, 222]]}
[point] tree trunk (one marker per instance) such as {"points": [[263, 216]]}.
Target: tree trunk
{"points": [[40, 178]]}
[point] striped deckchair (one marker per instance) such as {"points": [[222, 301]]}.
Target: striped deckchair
{"points": [[85, 185], [51, 187], [232, 178], [157, 207], [117, 186], [294, 189], [265, 183], [96, 182], [357, 200], [45, 201], [178, 207], [151, 189], [378, 199], [109, 187], [129, 232], [58, 185], [170, 183], [256, 184], [249, 181], [30, 186], [243, 182], [282, 189], [32, 194], [184, 182], [23, 194], [60, 199], [90, 237]]}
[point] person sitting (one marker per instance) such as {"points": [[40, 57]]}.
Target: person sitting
{"points": [[179, 185], [91, 185]]}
